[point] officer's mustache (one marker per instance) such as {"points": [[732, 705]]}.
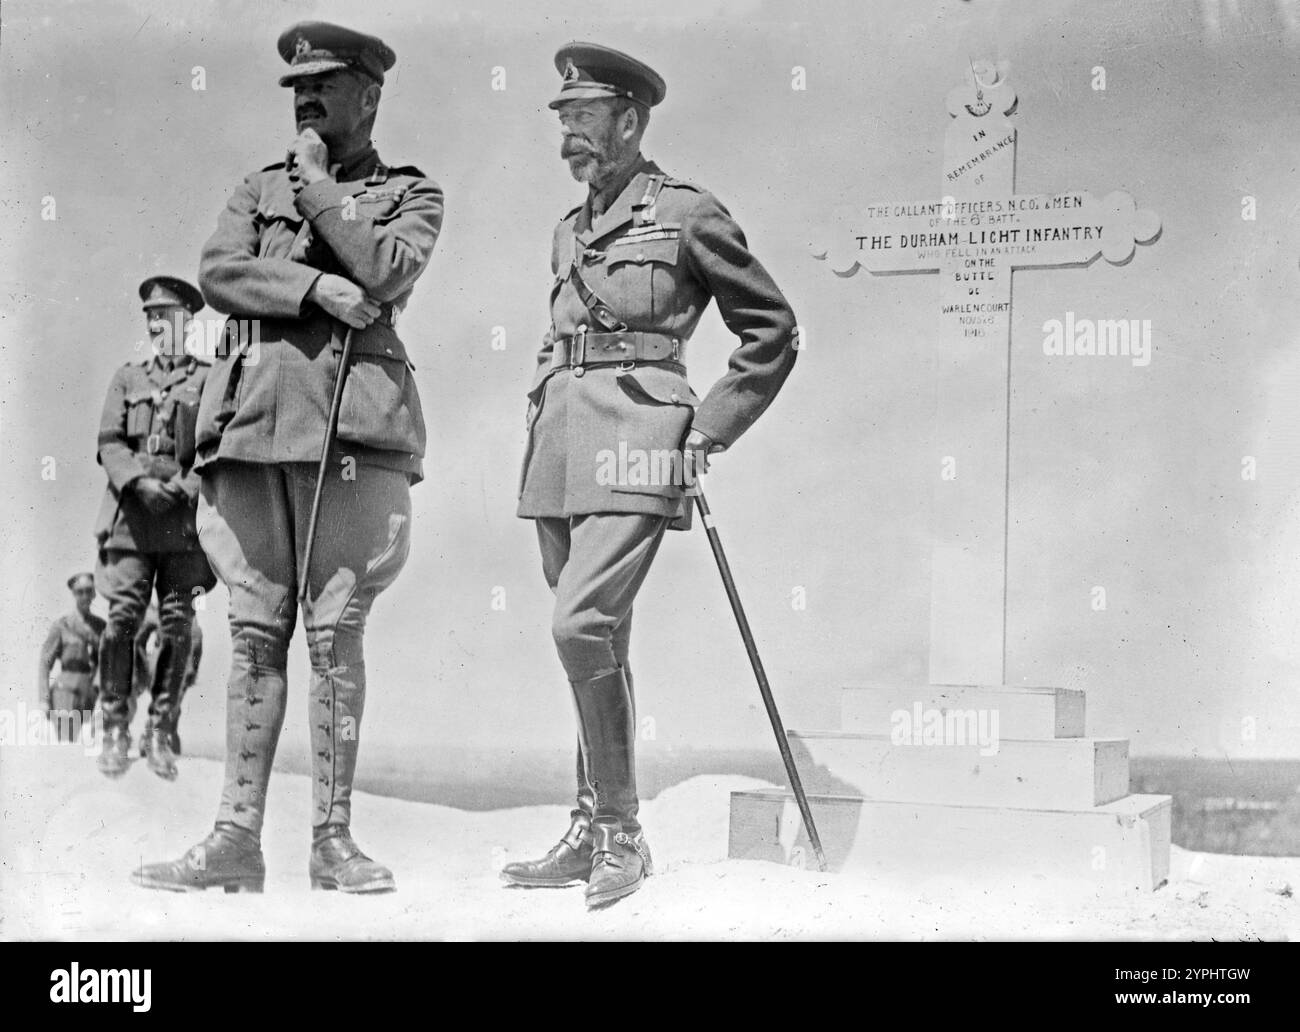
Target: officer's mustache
{"points": [[570, 148], [310, 109]]}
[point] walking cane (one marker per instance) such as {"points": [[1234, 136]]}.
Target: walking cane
{"points": [[331, 430], [796, 785]]}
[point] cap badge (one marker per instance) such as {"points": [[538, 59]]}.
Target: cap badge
{"points": [[301, 47], [570, 71]]}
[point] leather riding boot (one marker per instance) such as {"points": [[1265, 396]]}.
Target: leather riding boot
{"points": [[156, 748], [620, 858], [586, 797], [337, 863], [255, 703], [337, 700], [116, 655], [568, 861], [164, 706], [619, 863], [115, 751], [229, 858]]}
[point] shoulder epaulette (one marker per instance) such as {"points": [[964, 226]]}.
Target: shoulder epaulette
{"points": [[272, 168], [569, 214], [670, 181], [406, 170]]}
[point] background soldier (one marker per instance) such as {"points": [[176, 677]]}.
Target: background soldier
{"points": [[148, 649], [331, 240], [73, 643], [635, 267], [146, 525]]}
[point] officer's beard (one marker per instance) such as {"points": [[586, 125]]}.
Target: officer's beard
{"points": [[584, 165], [594, 163]]}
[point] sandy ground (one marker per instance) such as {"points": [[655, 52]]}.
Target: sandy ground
{"points": [[70, 839]]}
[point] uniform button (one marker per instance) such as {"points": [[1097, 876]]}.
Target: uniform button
{"points": [[640, 257], [674, 397], [578, 371]]}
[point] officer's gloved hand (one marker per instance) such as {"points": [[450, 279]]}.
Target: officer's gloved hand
{"points": [[155, 495]]}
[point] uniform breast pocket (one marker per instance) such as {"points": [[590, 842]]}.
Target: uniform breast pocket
{"points": [[641, 272], [139, 415], [277, 231]]}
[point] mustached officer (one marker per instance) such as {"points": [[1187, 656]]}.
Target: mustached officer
{"points": [[635, 266], [320, 250], [72, 644], [146, 532]]}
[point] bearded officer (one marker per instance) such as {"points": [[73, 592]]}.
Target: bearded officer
{"points": [[146, 530], [635, 267], [73, 644], [329, 243]]}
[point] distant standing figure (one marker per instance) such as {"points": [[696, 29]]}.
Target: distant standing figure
{"points": [[73, 643], [146, 525]]}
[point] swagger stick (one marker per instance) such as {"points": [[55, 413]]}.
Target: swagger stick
{"points": [[778, 728], [331, 430]]}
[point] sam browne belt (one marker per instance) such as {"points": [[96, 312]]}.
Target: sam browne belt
{"points": [[622, 347]]}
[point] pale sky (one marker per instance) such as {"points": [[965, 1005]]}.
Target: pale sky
{"points": [[1124, 477]]}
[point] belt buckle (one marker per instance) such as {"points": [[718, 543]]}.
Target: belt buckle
{"points": [[627, 363], [578, 351], [153, 444]]}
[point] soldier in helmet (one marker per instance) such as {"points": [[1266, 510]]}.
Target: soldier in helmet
{"points": [[145, 530], [72, 644], [635, 265], [322, 248]]}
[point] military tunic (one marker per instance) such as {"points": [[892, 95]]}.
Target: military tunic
{"points": [[149, 416], [72, 643], [655, 275], [269, 396]]}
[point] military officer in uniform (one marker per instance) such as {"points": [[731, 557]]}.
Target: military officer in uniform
{"points": [[146, 530], [324, 245], [635, 267], [73, 643]]}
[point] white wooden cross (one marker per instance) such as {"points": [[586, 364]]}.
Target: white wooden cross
{"points": [[974, 235]]}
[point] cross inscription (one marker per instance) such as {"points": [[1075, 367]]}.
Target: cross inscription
{"points": [[974, 235]]}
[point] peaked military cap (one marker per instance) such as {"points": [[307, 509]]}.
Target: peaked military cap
{"points": [[592, 72], [313, 48], [81, 580], [166, 291]]}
